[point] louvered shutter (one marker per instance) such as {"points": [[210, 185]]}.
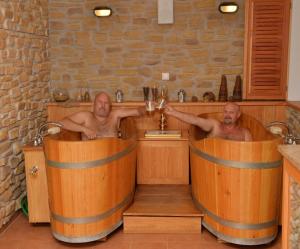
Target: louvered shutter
{"points": [[266, 49]]}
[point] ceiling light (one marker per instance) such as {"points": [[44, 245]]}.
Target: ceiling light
{"points": [[228, 7], [102, 11]]}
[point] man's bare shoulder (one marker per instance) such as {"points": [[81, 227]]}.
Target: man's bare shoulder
{"points": [[81, 115], [214, 122]]}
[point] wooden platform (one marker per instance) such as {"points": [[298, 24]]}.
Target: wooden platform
{"points": [[162, 209]]}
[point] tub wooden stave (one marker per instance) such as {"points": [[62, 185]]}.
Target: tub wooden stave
{"points": [[90, 184], [238, 185]]}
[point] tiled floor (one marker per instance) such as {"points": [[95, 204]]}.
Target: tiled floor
{"points": [[21, 235]]}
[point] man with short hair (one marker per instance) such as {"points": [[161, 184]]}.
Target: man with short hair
{"points": [[101, 122], [227, 129]]}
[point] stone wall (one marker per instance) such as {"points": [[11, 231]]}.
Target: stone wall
{"points": [[129, 49], [24, 89], [294, 237], [293, 119]]}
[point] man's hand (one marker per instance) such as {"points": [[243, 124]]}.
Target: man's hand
{"points": [[169, 110], [90, 134]]}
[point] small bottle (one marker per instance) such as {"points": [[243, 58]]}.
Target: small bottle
{"points": [[87, 97], [79, 95], [119, 96], [181, 96]]}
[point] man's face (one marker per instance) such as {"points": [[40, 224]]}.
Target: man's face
{"points": [[231, 114], [102, 105]]}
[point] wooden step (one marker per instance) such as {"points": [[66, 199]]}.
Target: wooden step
{"points": [[162, 209]]}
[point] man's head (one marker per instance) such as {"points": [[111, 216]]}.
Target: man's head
{"points": [[231, 113], [102, 105]]}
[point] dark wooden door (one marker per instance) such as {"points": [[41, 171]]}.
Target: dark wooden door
{"points": [[266, 49]]}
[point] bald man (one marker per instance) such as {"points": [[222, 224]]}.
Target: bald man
{"points": [[101, 122], [227, 129]]}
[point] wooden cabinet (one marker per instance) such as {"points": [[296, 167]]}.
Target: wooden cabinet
{"points": [[36, 181], [163, 160], [266, 49]]}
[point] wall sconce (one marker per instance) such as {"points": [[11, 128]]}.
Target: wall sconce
{"points": [[228, 7], [102, 11]]}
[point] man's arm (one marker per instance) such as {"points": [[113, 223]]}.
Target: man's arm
{"points": [[130, 112], [248, 136], [76, 122], [204, 124]]}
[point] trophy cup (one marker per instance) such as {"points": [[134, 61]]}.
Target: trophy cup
{"points": [[159, 103], [160, 107]]}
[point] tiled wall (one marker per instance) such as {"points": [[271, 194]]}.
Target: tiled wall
{"points": [[129, 49], [24, 89]]}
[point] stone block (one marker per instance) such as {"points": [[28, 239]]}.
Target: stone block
{"points": [[10, 208], [133, 81], [4, 147], [131, 63], [56, 25], [2, 161], [4, 172], [56, 15], [204, 4], [17, 149], [6, 195], [100, 37], [2, 44], [3, 134], [126, 72], [154, 38], [75, 11], [4, 185], [133, 35], [145, 71], [13, 133], [113, 50], [140, 21]]}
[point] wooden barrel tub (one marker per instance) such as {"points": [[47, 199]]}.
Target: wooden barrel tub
{"points": [[90, 183], [237, 184]]}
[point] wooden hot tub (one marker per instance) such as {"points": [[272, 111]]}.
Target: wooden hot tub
{"points": [[237, 184], [90, 183]]}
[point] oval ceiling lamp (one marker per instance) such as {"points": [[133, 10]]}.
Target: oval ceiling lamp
{"points": [[102, 11], [228, 7]]}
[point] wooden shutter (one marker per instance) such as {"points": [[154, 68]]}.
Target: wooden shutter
{"points": [[266, 49]]}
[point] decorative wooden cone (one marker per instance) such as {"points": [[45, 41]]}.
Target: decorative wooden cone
{"points": [[237, 90], [223, 93]]}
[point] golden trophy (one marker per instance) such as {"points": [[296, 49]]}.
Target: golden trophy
{"points": [[160, 106]]}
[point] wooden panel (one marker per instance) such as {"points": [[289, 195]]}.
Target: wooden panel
{"points": [[37, 190], [163, 161], [162, 224], [266, 49]]}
